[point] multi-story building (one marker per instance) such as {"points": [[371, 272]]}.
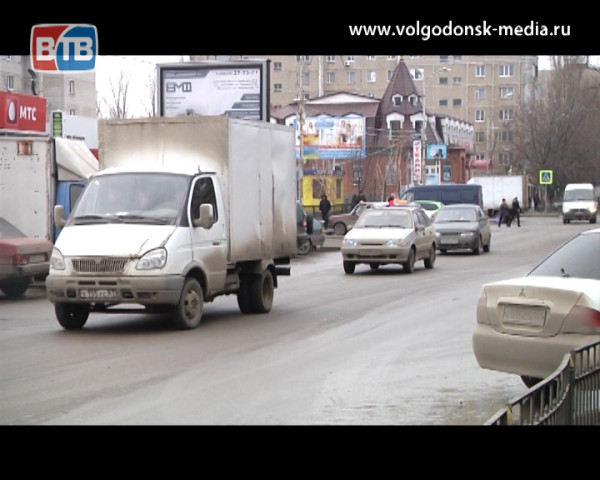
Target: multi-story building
{"points": [[484, 90]]}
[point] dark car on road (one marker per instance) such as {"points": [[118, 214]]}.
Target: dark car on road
{"points": [[310, 231], [343, 222], [462, 227]]}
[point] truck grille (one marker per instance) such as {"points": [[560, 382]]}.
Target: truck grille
{"points": [[99, 265]]}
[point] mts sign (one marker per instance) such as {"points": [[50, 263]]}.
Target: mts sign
{"points": [[64, 48], [22, 112]]}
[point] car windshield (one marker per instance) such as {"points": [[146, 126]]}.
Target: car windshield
{"points": [[576, 258], [456, 215], [127, 197], [578, 195], [385, 218]]}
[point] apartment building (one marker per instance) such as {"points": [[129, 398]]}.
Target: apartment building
{"points": [[72, 93], [484, 90]]}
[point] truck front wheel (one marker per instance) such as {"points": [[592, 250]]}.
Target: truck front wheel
{"points": [[188, 312], [71, 316]]}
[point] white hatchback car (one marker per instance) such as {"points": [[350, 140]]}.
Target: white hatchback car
{"points": [[398, 234], [526, 325]]}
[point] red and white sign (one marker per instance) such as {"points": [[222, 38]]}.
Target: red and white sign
{"points": [[417, 160], [22, 112]]}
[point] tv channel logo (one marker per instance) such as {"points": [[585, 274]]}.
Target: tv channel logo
{"points": [[64, 48]]}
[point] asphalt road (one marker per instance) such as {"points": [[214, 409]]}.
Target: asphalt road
{"points": [[372, 348]]}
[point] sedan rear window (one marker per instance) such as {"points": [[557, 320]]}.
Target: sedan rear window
{"points": [[576, 258]]}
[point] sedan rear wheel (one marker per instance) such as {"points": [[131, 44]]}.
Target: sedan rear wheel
{"points": [[430, 260], [339, 229], [349, 267]]}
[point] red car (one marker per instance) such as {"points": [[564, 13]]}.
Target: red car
{"points": [[21, 259]]}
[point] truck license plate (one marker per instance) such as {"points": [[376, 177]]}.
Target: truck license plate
{"points": [[98, 294]]}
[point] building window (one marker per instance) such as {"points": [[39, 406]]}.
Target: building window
{"points": [[504, 158], [480, 115], [506, 114], [416, 73], [479, 93], [456, 80], [507, 70], [350, 77], [305, 78], [480, 71], [397, 100], [480, 137], [277, 66], [277, 87], [505, 136], [506, 92], [10, 82], [302, 58], [330, 58], [371, 76], [391, 57], [390, 74], [457, 102], [443, 58], [371, 57], [443, 102], [443, 81], [330, 77], [71, 87], [350, 58]]}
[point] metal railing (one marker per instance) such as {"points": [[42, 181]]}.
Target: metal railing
{"points": [[570, 396]]}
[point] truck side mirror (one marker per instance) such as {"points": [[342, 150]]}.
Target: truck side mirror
{"points": [[206, 218], [59, 216]]}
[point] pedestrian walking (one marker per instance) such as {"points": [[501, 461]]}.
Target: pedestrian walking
{"points": [[515, 212], [325, 207], [504, 213]]}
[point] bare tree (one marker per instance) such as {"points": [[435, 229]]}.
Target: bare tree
{"points": [[116, 105], [557, 129]]}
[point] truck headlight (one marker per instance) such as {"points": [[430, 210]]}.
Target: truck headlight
{"points": [[152, 260], [57, 262]]}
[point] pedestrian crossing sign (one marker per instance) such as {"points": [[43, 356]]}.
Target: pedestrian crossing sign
{"points": [[545, 177]]}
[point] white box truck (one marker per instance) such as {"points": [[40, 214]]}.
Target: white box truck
{"points": [[38, 172], [184, 210], [496, 187]]}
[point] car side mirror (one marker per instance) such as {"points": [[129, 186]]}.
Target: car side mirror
{"points": [[206, 218], [59, 216]]}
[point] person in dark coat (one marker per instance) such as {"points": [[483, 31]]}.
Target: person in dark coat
{"points": [[515, 212], [325, 207], [504, 213]]}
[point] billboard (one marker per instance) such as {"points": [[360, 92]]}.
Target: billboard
{"points": [[23, 113], [436, 151], [331, 138], [236, 88]]}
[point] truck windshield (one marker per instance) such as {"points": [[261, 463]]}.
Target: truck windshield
{"points": [[132, 198], [579, 194]]}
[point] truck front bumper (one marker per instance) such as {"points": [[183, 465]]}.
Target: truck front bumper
{"points": [[157, 290]]}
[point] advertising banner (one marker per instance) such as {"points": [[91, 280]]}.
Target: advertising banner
{"points": [[331, 138], [237, 89], [22, 112]]}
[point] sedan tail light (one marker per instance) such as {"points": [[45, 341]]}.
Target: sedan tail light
{"points": [[582, 320], [20, 259]]}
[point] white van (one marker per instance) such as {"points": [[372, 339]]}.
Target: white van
{"points": [[579, 203]]}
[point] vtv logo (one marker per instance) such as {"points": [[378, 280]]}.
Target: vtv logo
{"points": [[64, 48]]}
